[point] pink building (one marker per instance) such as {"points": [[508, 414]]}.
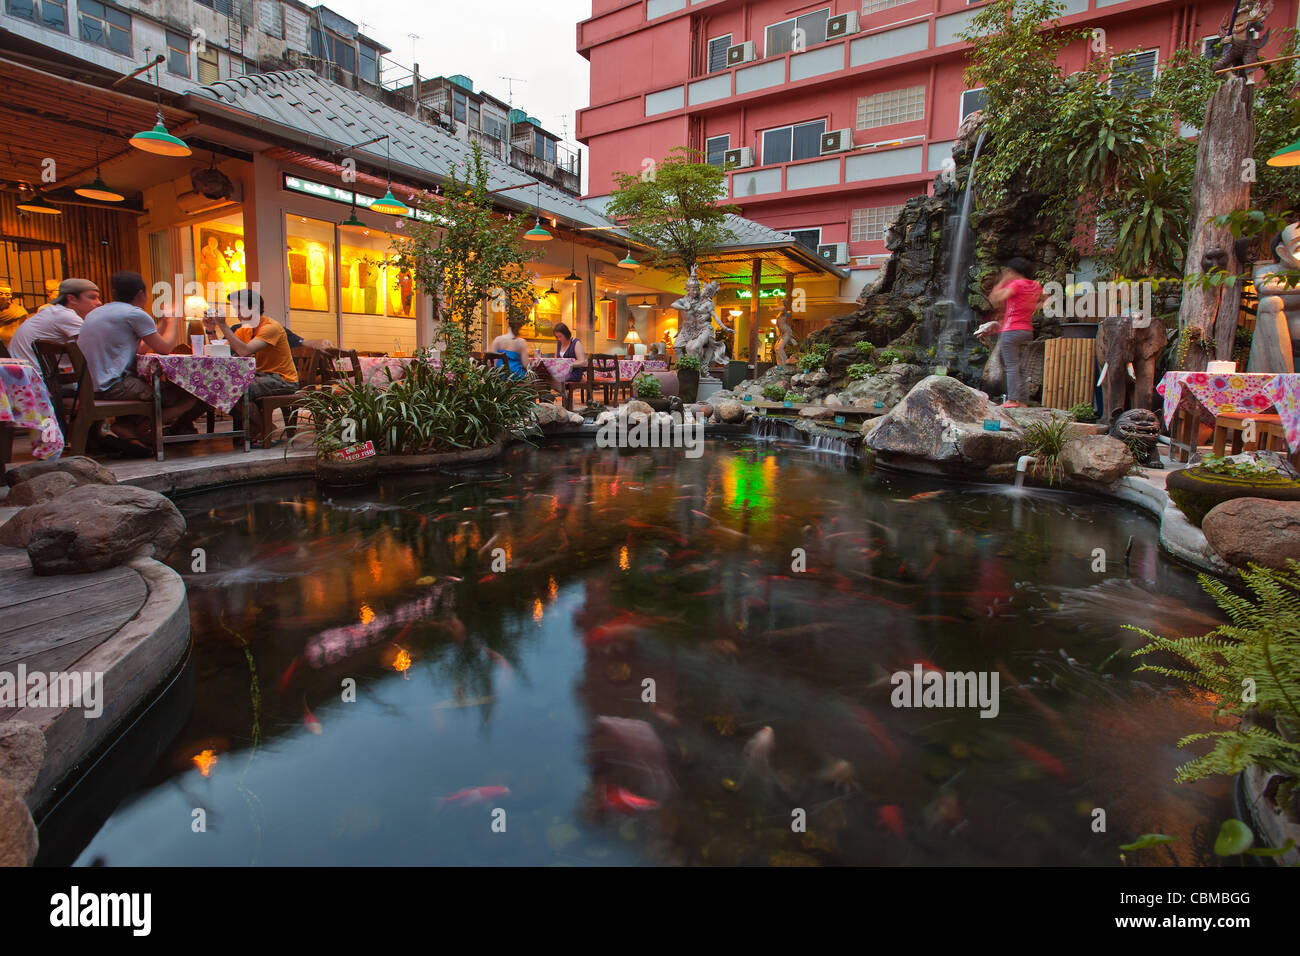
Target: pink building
{"points": [[833, 113]]}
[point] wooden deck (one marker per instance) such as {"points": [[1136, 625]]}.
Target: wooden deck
{"points": [[48, 623]]}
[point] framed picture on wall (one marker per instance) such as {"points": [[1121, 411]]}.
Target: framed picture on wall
{"points": [[611, 324]]}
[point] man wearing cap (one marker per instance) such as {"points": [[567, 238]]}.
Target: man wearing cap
{"points": [[60, 321], [12, 313]]}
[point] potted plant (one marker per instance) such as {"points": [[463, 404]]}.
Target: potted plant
{"points": [[688, 377], [647, 388], [1198, 488]]}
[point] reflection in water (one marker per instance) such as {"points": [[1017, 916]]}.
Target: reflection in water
{"points": [[641, 658]]}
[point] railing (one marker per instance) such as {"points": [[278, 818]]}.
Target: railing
{"points": [[490, 143]]}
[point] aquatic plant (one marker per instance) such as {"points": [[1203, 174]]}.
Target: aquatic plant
{"points": [[1253, 665], [1084, 412], [774, 392], [1045, 440], [1222, 465], [647, 386], [814, 358]]}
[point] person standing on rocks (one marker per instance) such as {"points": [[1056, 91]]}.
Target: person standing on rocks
{"points": [[1018, 296]]}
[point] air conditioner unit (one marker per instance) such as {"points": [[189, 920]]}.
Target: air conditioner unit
{"points": [[741, 158], [842, 25], [836, 253], [837, 141], [741, 53], [194, 202]]}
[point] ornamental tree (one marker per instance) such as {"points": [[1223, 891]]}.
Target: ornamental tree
{"points": [[674, 207]]}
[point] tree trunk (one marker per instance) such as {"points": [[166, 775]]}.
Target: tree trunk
{"points": [[1219, 186]]}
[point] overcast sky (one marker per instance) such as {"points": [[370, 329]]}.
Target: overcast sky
{"points": [[532, 40]]}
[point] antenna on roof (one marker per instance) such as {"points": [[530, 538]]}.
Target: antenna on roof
{"points": [[510, 114], [414, 37]]}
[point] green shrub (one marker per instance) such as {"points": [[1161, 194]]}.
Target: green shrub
{"points": [[1221, 465], [1045, 440], [931, 352], [689, 363], [889, 356], [866, 348], [647, 386], [1084, 412], [774, 392], [1260, 650], [793, 396], [814, 358], [860, 370]]}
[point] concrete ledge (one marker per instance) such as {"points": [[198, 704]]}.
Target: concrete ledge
{"points": [[134, 662]]}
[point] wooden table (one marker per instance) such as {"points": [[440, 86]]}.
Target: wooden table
{"points": [[217, 380]]}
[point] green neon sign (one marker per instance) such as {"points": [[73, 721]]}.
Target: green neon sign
{"points": [[345, 196]]}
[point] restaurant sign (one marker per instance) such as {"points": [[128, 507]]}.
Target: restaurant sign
{"points": [[354, 452], [335, 194]]}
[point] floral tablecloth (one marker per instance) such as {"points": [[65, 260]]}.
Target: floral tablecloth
{"points": [[24, 403], [558, 367], [1238, 392], [372, 367], [630, 368], [216, 379]]}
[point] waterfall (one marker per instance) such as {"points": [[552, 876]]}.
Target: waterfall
{"points": [[820, 440], [948, 327]]}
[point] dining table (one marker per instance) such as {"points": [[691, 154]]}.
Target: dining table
{"points": [[25, 403], [1193, 395], [219, 380]]}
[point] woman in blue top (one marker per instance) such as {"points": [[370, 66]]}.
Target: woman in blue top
{"points": [[513, 347]]}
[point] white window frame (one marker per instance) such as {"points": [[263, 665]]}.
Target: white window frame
{"points": [[708, 52], [888, 5], [1155, 65], [762, 139], [816, 229], [961, 103], [709, 139], [794, 21]]}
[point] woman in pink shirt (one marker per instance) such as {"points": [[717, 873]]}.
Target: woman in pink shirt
{"points": [[1018, 296]]}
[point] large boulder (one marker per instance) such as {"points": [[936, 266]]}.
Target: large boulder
{"points": [[939, 428], [1254, 531], [87, 469], [18, 843], [550, 415], [1096, 458], [888, 386], [44, 487], [22, 751], [94, 527], [729, 412]]}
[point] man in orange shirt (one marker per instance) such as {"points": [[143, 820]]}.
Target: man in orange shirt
{"points": [[267, 343]]}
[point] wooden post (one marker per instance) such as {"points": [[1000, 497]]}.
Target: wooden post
{"points": [[755, 288], [1226, 141]]}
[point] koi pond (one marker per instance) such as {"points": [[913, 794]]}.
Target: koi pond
{"points": [[582, 657]]}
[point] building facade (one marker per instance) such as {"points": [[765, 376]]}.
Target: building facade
{"points": [[203, 41], [828, 115]]}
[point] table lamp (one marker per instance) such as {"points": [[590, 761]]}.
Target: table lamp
{"points": [[632, 338]]}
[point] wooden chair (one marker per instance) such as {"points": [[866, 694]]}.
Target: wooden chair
{"points": [[585, 385], [85, 409], [307, 361], [332, 374], [492, 358], [604, 371], [373, 354], [1268, 428]]}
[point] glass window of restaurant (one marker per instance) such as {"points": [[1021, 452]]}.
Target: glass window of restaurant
{"points": [[377, 299], [310, 271]]}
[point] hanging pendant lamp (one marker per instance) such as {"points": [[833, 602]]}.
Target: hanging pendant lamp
{"points": [[1288, 156], [157, 140], [388, 203], [573, 276], [627, 262], [39, 206], [537, 233]]}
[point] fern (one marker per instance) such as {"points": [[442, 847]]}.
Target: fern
{"points": [[1252, 664]]}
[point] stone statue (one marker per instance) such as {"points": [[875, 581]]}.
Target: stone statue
{"points": [[787, 334], [1278, 321], [1139, 428], [1241, 41], [695, 335], [1128, 347]]}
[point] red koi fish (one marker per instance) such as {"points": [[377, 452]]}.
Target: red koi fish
{"points": [[878, 731], [476, 795], [612, 632], [928, 665], [499, 660], [890, 817], [1044, 760], [665, 716], [309, 719], [288, 674], [927, 494], [624, 801]]}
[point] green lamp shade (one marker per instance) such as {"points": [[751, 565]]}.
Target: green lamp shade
{"points": [[572, 277], [627, 262], [160, 142], [99, 190], [537, 234], [390, 205], [39, 206], [352, 220], [1288, 156]]}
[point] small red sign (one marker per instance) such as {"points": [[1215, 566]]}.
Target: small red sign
{"points": [[354, 452]]}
